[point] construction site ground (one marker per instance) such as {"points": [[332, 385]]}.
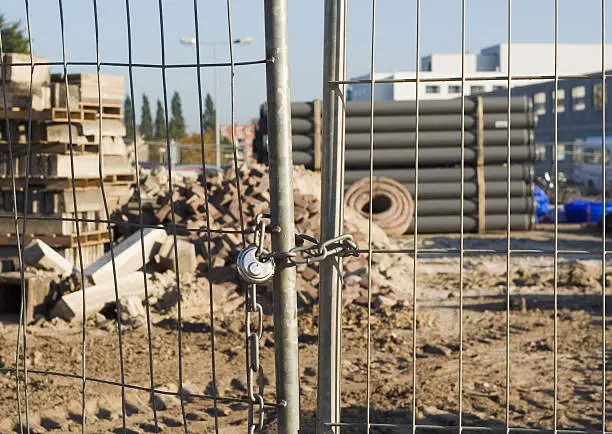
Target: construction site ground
{"points": [[54, 401]]}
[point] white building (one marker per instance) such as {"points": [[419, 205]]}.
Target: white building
{"points": [[535, 61]]}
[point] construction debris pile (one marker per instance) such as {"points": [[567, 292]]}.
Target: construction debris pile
{"points": [[485, 136], [206, 257], [77, 113]]}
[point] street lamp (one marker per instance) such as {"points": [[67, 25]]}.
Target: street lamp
{"points": [[239, 41]]}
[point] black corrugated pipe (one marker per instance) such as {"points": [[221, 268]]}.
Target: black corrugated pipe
{"points": [[452, 224], [446, 174], [405, 158], [432, 139], [392, 108]]}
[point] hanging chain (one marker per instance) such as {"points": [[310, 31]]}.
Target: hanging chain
{"points": [[255, 370], [256, 266], [255, 374]]}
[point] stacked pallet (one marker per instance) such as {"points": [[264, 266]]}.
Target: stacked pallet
{"points": [[439, 160], [65, 115]]}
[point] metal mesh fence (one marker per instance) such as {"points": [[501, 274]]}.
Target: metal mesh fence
{"points": [[161, 374], [481, 334]]}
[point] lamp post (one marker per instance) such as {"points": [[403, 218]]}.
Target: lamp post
{"points": [[239, 41]]}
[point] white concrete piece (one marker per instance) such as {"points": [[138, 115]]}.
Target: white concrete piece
{"points": [[127, 254], [186, 255], [39, 254], [70, 306]]}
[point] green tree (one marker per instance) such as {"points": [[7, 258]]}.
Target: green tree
{"points": [[146, 121], [128, 118], [160, 122], [13, 39], [210, 114], [177, 122]]}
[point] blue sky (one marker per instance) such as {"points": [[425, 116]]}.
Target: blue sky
{"points": [[486, 24]]}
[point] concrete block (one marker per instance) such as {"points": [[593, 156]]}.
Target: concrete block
{"points": [[39, 254], [58, 96], [186, 255], [21, 74], [18, 96], [61, 224], [59, 165], [60, 133], [70, 306], [112, 87], [128, 256], [110, 127]]}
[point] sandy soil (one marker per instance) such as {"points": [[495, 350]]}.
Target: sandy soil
{"points": [[54, 401]]}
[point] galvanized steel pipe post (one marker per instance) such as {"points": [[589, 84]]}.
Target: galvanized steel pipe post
{"points": [[332, 216], [281, 211]]}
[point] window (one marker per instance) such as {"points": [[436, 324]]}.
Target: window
{"points": [[591, 156], [477, 89], [454, 89], [499, 87], [539, 103], [540, 152], [432, 89], [597, 97], [560, 151], [560, 101], [578, 98]]}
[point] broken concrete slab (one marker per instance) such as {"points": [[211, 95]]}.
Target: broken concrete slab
{"points": [[70, 306], [40, 255], [127, 254], [185, 251]]}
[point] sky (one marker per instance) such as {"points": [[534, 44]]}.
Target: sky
{"points": [[580, 21]]}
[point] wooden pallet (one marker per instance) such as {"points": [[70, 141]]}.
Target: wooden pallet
{"points": [[58, 114], [65, 183], [107, 110], [37, 289], [87, 239], [49, 147]]}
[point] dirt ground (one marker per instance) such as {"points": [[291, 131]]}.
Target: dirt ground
{"points": [[54, 401]]}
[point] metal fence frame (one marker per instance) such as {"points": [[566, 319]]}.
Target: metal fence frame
{"points": [[330, 332], [277, 77]]}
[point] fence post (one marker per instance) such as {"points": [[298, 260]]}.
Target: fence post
{"points": [[332, 216], [281, 212]]}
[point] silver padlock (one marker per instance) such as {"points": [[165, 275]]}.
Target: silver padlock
{"points": [[253, 270]]}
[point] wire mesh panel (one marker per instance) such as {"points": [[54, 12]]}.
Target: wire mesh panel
{"points": [[461, 315], [124, 311]]}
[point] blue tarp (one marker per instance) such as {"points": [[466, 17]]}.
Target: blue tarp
{"points": [[582, 211], [542, 202]]}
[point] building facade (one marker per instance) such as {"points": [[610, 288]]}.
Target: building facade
{"points": [[485, 71], [579, 117]]}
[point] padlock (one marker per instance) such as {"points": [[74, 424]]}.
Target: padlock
{"points": [[253, 270]]}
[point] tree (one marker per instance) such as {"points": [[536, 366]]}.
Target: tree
{"points": [[177, 122], [160, 122], [146, 122], [13, 39], [128, 118], [210, 114]]}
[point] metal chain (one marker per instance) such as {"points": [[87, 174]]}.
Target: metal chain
{"points": [[308, 249], [253, 337], [254, 368]]}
